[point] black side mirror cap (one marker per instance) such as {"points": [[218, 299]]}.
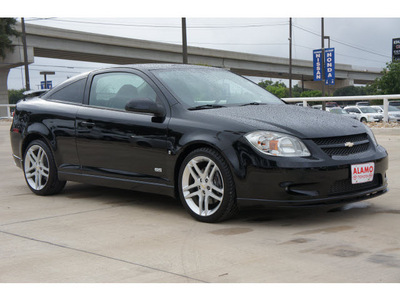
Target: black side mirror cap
{"points": [[145, 105]]}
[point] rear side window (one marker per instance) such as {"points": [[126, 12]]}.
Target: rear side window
{"points": [[70, 93]]}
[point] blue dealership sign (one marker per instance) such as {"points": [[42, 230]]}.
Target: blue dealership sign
{"points": [[317, 64], [330, 66], [49, 85]]}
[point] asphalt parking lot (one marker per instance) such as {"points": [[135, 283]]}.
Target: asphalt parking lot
{"points": [[96, 234]]}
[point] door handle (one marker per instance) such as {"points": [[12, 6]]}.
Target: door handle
{"points": [[87, 124]]}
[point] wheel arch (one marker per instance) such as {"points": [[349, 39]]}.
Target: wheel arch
{"points": [[231, 160], [37, 132]]}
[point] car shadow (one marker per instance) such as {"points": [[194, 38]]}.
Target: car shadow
{"points": [[248, 214]]}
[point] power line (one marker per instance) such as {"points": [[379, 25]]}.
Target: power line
{"points": [[242, 44], [161, 26], [339, 54], [343, 43]]}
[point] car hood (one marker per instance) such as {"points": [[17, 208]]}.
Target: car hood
{"points": [[295, 120]]}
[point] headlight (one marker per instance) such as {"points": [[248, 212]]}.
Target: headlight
{"points": [[277, 144]]}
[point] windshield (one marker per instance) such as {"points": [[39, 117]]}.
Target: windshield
{"points": [[377, 109], [209, 88], [367, 109]]}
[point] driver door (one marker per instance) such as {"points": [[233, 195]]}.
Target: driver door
{"points": [[126, 148]]}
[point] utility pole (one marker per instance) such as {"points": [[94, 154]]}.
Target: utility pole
{"points": [[323, 62], [184, 41], [27, 83], [290, 57]]}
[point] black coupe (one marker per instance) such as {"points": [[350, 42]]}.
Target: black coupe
{"points": [[205, 135]]}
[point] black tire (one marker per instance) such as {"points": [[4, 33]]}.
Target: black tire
{"points": [[363, 120], [206, 186], [40, 171]]}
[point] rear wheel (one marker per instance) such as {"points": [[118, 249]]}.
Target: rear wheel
{"points": [[206, 186], [364, 120], [40, 170]]}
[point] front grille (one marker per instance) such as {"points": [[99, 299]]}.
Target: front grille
{"points": [[336, 146], [342, 151], [341, 139], [345, 186]]}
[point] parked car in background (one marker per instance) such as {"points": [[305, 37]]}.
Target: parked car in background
{"points": [[393, 112], [362, 103], [332, 104], [301, 104], [204, 135], [340, 111], [318, 106], [364, 113], [394, 103]]}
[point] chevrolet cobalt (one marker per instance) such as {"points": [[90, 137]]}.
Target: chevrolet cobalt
{"points": [[202, 134]]}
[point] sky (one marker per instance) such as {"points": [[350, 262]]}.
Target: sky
{"points": [[361, 38]]}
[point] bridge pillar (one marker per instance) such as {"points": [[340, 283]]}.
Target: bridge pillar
{"points": [[13, 59], [316, 85]]}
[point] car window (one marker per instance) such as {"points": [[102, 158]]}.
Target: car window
{"points": [[367, 109], [352, 110], [71, 93], [115, 90]]}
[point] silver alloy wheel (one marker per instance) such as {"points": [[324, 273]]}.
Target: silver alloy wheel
{"points": [[202, 186], [36, 167]]}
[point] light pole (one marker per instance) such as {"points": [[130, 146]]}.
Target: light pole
{"points": [[184, 41], [27, 82]]}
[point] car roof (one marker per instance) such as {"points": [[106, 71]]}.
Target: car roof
{"points": [[152, 66]]}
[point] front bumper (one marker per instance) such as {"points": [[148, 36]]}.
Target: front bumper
{"points": [[301, 183]]}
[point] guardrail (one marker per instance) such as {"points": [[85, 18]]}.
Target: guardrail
{"points": [[385, 99], [8, 106]]}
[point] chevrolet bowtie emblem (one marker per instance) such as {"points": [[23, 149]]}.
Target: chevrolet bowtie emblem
{"points": [[349, 144]]}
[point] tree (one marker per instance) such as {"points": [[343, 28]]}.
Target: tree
{"points": [[6, 31], [311, 93], [278, 88], [389, 83], [355, 91], [15, 95], [296, 91]]}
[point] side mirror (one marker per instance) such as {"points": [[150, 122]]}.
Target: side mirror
{"points": [[145, 105]]}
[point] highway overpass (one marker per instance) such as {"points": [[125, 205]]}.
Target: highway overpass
{"points": [[59, 43]]}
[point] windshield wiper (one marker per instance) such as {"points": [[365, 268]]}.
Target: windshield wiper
{"points": [[253, 103], [206, 106]]}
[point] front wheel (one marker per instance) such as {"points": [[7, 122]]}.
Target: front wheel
{"points": [[40, 170], [206, 186]]}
